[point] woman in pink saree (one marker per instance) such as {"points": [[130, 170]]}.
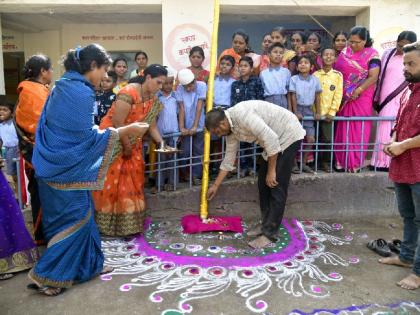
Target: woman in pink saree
{"points": [[360, 65], [391, 85]]}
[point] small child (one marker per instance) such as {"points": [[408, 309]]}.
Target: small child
{"points": [[331, 96], [276, 78], [191, 95], [106, 96], [9, 143], [248, 87], [167, 123], [305, 90], [223, 82], [196, 60]]}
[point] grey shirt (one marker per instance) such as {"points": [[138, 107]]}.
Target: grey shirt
{"points": [[305, 89], [270, 126]]}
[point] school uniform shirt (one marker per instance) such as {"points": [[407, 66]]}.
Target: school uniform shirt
{"points": [[275, 81], [8, 134], [272, 127], [332, 90], [222, 91], [305, 89], [167, 121], [190, 100], [251, 89], [104, 102]]}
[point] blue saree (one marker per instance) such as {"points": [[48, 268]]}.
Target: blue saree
{"points": [[71, 158]]}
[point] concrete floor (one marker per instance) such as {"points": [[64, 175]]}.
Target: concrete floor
{"points": [[367, 282]]}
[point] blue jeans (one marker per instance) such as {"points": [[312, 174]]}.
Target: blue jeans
{"points": [[408, 198]]}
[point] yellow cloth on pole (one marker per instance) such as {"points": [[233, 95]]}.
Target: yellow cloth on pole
{"points": [[209, 106]]}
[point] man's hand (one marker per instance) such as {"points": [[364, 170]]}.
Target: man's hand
{"points": [[270, 180], [395, 148], [385, 149], [211, 192]]}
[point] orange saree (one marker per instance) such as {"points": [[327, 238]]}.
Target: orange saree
{"points": [[120, 205], [32, 97]]}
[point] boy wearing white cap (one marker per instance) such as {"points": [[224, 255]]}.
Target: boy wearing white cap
{"points": [[191, 95]]}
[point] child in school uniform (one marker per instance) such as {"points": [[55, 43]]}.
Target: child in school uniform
{"points": [[106, 96], [332, 93], [248, 87], [191, 96], [9, 142], [222, 97], [305, 90], [275, 79], [167, 123], [223, 82]]}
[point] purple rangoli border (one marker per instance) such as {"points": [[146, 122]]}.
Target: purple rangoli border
{"points": [[296, 245]]}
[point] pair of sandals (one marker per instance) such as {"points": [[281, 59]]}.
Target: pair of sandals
{"points": [[384, 248], [54, 291]]}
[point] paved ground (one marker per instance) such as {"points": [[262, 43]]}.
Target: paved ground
{"points": [[363, 283]]}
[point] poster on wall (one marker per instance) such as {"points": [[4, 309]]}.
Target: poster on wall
{"points": [[386, 38], [180, 41], [185, 27]]}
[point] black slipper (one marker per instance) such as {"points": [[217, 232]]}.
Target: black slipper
{"points": [[395, 246], [380, 246], [32, 286]]}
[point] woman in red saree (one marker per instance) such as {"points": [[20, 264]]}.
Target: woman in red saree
{"points": [[120, 205], [360, 64]]}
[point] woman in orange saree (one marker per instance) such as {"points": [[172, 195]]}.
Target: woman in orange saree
{"points": [[240, 48], [33, 93], [120, 205]]}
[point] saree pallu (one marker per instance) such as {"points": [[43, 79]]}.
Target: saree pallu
{"points": [[17, 249], [120, 205], [71, 157], [352, 137]]}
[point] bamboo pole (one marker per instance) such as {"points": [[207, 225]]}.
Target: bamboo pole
{"points": [[209, 106]]}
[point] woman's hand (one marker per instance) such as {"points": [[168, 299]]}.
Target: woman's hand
{"points": [[127, 152], [356, 93]]}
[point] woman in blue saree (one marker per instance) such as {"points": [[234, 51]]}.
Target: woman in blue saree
{"points": [[71, 158]]}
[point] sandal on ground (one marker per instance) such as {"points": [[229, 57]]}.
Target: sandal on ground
{"points": [[33, 286], [395, 246], [307, 169], [6, 276], [380, 246]]}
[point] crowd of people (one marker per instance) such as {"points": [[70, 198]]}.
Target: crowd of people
{"points": [[83, 141]]}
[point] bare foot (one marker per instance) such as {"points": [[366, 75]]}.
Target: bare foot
{"points": [[107, 269], [256, 231], [260, 242], [394, 260], [411, 282]]}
